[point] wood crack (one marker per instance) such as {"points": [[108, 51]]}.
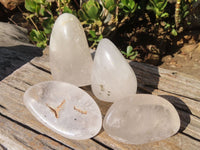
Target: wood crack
{"points": [[13, 86], [3, 147], [102, 144], [33, 130], [1, 106], [38, 67], [196, 139]]}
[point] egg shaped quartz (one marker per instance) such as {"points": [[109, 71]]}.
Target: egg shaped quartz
{"points": [[70, 58], [112, 77], [65, 109], [140, 119]]}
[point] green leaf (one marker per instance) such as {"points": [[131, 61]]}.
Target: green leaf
{"points": [[30, 16], [30, 5], [91, 39], [39, 1], [185, 14], [41, 44], [67, 10], [48, 25], [129, 49], [92, 33], [82, 15], [109, 5], [34, 34], [39, 37], [164, 5], [152, 3], [99, 38], [132, 53], [124, 53], [167, 26], [126, 9], [42, 11], [159, 4], [133, 57], [128, 6], [123, 2], [174, 32], [92, 12], [131, 4], [164, 15]]}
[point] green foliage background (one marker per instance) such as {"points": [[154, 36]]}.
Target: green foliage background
{"points": [[102, 18]]}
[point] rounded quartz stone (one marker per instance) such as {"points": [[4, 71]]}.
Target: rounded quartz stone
{"points": [[112, 77], [65, 109], [70, 58], [140, 119]]}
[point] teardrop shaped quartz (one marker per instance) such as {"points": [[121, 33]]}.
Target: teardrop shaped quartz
{"points": [[70, 58], [65, 109], [112, 77], [140, 119]]}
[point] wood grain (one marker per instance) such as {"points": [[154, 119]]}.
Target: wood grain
{"points": [[152, 76], [15, 136], [151, 79]]}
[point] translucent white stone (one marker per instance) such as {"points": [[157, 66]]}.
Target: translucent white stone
{"points": [[64, 108], [70, 58], [140, 119], [112, 77]]}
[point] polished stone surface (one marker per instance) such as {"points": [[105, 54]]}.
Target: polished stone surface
{"points": [[140, 119], [112, 76], [65, 109], [70, 58]]}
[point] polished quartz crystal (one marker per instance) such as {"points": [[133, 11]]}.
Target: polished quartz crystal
{"points": [[140, 119], [112, 77], [70, 58], [64, 108]]}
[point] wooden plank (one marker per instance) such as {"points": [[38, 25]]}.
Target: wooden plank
{"points": [[177, 142], [189, 124], [29, 75], [152, 76], [15, 136], [167, 80], [13, 107], [182, 103]]}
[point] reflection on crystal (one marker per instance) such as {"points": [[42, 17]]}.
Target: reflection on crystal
{"points": [[112, 76], [64, 108], [140, 119]]}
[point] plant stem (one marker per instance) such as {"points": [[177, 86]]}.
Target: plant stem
{"points": [[77, 3], [12, 21], [59, 8], [177, 13], [34, 24]]}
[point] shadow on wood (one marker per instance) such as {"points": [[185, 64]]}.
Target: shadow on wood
{"points": [[184, 117], [12, 58]]}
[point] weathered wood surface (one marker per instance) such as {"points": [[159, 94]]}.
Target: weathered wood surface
{"points": [[14, 136], [17, 122]]}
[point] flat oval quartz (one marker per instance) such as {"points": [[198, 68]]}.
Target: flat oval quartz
{"points": [[64, 108], [140, 119], [70, 58], [112, 77]]}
